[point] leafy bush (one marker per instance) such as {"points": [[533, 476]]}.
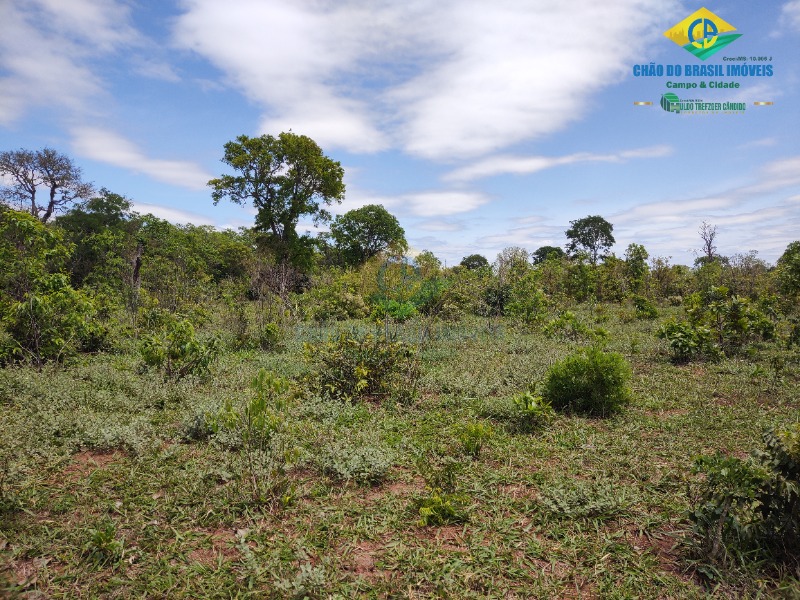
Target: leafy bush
{"points": [[353, 366], [527, 302], [686, 342], [441, 504], [749, 510], [103, 548], [591, 382], [644, 308], [398, 311], [531, 412], [440, 508], [178, 352], [50, 322]]}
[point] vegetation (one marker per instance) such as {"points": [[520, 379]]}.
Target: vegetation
{"points": [[184, 409]]}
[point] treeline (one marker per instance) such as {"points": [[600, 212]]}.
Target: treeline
{"points": [[101, 267], [99, 273]]}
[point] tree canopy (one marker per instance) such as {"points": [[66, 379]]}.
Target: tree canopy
{"points": [[474, 262], [592, 235], [545, 252], [361, 233], [285, 177], [29, 170]]}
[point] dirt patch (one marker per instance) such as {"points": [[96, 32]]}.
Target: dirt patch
{"points": [[221, 542], [365, 556], [85, 463]]}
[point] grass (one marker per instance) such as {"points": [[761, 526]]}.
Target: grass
{"points": [[112, 490]]}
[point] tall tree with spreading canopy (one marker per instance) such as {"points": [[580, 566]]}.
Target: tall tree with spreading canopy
{"points": [[27, 171], [361, 233], [592, 235], [285, 177]]}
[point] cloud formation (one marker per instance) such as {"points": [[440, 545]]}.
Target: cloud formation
{"points": [[47, 48], [526, 165], [111, 148], [467, 78]]}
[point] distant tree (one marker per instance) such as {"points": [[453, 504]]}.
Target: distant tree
{"points": [[285, 178], [636, 267], [708, 251], [474, 262], [545, 252], [361, 233], [591, 234], [28, 171], [427, 263]]}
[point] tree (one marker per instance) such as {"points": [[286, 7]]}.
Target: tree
{"points": [[591, 234], [707, 234], [474, 262], [636, 267], [28, 171], [285, 178], [362, 233], [545, 252]]}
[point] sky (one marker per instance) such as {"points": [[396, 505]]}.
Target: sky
{"points": [[478, 125]]}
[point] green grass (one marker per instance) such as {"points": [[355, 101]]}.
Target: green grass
{"points": [[110, 491]]}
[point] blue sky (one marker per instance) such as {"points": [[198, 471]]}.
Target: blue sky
{"points": [[479, 125]]}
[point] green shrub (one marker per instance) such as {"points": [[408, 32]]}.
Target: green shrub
{"points": [[473, 436], [353, 366], [50, 322], [440, 508], [644, 308], [531, 412], [591, 382], [442, 504], [256, 430], [686, 342], [397, 311], [749, 510], [178, 352]]}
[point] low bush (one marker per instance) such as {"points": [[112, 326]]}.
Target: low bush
{"points": [[177, 351], [748, 511], [590, 382], [353, 366]]}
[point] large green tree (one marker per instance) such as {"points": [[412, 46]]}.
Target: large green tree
{"points": [[592, 235], [361, 233], [285, 177]]}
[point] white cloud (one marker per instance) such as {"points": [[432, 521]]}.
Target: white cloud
{"points": [[790, 14], [108, 147], [467, 77], [442, 203], [526, 165], [46, 47], [173, 215]]}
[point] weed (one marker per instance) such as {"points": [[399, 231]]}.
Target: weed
{"points": [[473, 436], [103, 548]]}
